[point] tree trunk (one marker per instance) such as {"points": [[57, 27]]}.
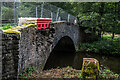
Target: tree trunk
{"points": [[101, 12], [113, 34], [100, 30]]}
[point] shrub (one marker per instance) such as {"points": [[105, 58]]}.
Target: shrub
{"points": [[107, 74], [102, 46]]}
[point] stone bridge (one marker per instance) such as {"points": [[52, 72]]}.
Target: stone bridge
{"points": [[31, 48]]}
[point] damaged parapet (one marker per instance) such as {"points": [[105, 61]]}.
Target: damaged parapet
{"points": [[10, 39]]}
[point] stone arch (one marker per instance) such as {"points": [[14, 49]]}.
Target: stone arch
{"points": [[66, 29], [64, 41], [62, 54]]}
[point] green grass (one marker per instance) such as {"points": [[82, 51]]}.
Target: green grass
{"points": [[110, 39]]}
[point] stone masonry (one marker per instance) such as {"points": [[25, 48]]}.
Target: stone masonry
{"points": [[31, 48], [10, 52]]}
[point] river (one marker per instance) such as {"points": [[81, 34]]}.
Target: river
{"points": [[63, 59]]}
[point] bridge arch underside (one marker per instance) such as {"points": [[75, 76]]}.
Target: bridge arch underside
{"points": [[62, 55]]}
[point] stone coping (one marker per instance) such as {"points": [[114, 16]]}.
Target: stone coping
{"points": [[18, 29]]}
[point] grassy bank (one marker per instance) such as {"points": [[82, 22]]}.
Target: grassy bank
{"points": [[106, 45]]}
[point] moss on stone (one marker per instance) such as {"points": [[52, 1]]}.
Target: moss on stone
{"points": [[31, 25], [90, 69], [11, 31], [17, 27]]}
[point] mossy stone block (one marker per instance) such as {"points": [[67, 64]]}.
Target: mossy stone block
{"points": [[90, 68]]}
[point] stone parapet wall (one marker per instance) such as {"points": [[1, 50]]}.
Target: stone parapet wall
{"points": [[10, 51], [27, 47]]}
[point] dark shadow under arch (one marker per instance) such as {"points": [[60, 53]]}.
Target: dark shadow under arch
{"points": [[62, 55]]}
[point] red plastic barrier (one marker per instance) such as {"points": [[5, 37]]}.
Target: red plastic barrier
{"points": [[43, 23]]}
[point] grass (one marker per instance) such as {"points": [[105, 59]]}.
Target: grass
{"points": [[106, 37]]}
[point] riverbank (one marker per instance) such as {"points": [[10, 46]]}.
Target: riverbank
{"points": [[61, 73], [105, 60]]}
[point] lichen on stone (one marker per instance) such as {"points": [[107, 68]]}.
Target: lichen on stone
{"points": [[17, 27], [11, 31]]}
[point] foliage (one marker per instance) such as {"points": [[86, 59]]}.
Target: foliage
{"points": [[107, 74], [58, 67], [7, 27], [28, 72], [110, 39], [79, 75], [7, 13], [108, 46], [103, 17], [27, 10]]}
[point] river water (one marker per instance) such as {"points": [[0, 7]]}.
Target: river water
{"points": [[106, 61], [63, 59]]}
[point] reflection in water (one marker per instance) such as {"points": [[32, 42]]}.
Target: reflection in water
{"points": [[62, 59]]}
